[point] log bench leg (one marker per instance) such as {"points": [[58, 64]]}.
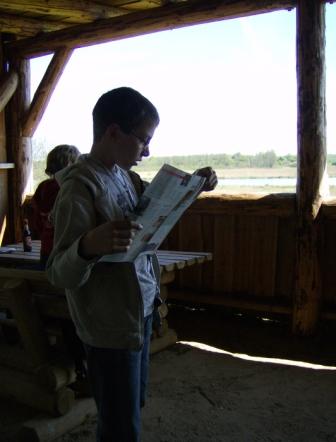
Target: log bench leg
{"points": [[16, 297], [44, 428], [27, 372], [166, 336], [25, 388]]}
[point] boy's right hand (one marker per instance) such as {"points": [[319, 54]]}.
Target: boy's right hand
{"points": [[110, 237]]}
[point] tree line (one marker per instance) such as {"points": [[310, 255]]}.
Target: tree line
{"points": [[267, 159], [221, 161]]}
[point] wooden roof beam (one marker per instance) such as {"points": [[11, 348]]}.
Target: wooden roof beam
{"points": [[139, 23], [28, 27], [44, 91], [84, 10], [127, 2]]}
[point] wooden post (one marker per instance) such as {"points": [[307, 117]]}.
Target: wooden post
{"points": [[18, 147], [311, 159], [4, 231]]}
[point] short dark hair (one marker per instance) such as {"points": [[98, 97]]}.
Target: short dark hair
{"points": [[60, 157], [124, 106]]}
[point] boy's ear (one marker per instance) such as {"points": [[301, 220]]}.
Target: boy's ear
{"points": [[113, 130]]}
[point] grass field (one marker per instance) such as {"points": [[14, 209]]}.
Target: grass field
{"points": [[280, 172], [283, 172], [257, 172]]}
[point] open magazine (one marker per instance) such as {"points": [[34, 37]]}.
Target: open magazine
{"points": [[165, 199]]}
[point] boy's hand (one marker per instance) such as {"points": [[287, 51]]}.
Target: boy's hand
{"points": [[211, 178], [110, 237]]}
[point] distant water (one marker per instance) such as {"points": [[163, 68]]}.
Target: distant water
{"points": [[261, 182]]}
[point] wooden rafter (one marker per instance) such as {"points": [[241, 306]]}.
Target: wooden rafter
{"points": [[28, 27], [45, 90], [138, 23], [8, 85]]}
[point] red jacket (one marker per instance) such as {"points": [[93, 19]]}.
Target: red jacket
{"points": [[43, 202]]}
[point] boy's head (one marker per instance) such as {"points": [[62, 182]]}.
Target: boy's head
{"points": [[61, 156], [125, 107], [124, 122]]}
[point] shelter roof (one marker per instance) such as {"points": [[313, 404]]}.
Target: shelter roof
{"points": [[33, 17], [44, 26]]}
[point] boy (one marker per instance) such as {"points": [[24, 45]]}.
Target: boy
{"points": [[110, 304]]}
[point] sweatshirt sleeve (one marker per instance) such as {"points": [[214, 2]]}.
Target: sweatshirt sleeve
{"points": [[74, 215]]}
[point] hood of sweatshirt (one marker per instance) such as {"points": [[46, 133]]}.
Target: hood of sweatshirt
{"points": [[90, 171], [97, 178]]}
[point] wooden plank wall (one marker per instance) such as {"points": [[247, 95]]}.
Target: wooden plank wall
{"points": [[327, 255], [253, 244]]}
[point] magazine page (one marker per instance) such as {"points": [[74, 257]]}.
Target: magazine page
{"points": [[165, 199]]}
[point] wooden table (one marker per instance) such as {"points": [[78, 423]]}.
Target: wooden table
{"points": [[36, 308], [169, 260], [24, 265]]}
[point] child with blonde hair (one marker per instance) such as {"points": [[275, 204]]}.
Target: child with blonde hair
{"points": [[44, 198]]}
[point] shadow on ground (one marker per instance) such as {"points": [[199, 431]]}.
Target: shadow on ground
{"points": [[199, 396], [253, 335]]}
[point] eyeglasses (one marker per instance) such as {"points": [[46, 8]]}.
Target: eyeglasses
{"points": [[144, 142]]}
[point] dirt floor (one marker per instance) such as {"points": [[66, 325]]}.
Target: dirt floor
{"points": [[247, 383]]}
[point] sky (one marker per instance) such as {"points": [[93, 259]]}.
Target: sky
{"points": [[223, 87]]}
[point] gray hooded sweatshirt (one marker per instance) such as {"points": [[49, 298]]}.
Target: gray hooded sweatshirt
{"points": [[104, 299]]}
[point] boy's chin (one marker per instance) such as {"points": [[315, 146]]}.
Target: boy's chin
{"points": [[136, 162], [129, 165]]}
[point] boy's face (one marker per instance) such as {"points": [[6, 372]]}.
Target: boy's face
{"points": [[134, 145]]}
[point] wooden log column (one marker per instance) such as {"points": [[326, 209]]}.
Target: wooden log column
{"points": [[311, 160], [4, 232], [18, 147]]}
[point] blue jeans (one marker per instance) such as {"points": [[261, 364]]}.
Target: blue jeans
{"points": [[118, 380]]}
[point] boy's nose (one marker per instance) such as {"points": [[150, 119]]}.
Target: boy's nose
{"points": [[145, 151]]}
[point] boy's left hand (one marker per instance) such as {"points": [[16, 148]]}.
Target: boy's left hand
{"points": [[211, 178]]}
